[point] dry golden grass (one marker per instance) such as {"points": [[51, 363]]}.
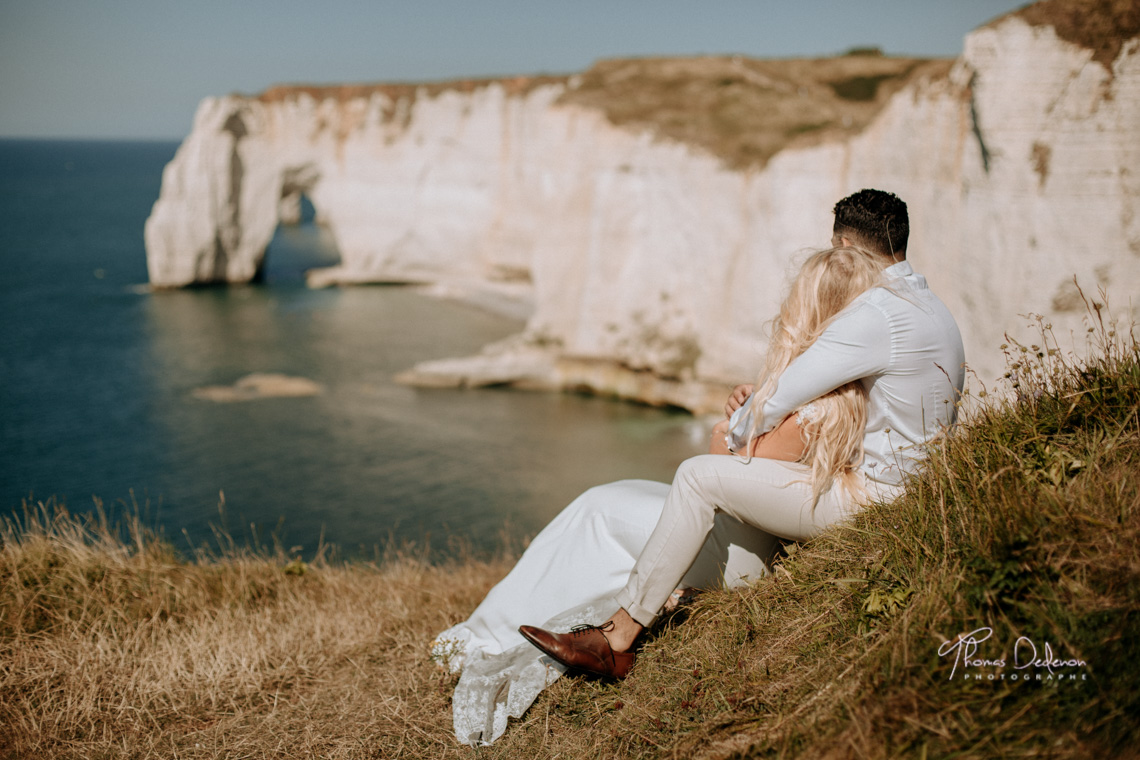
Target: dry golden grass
{"points": [[113, 648]]}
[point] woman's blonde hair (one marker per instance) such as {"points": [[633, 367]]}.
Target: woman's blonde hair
{"points": [[833, 434]]}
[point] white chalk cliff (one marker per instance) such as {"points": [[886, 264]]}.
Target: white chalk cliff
{"points": [[652, 264]]}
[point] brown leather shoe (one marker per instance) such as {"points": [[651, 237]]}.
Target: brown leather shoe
{"points": [[585, 648]]}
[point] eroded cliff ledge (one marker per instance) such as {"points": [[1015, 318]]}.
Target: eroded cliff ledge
{"points": [[649, 209]]}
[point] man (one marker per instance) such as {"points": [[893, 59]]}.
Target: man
{"points": [[900, 341]]}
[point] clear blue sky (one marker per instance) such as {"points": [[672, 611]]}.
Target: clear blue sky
{"points": [[137, 68]]}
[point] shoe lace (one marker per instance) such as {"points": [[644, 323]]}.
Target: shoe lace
{"points": [[580, 630]]}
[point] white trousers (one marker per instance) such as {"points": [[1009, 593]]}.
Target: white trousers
{"points": [[765, 495]]}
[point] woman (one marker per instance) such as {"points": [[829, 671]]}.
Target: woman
{"points": [[827, 433], [593, 543]]}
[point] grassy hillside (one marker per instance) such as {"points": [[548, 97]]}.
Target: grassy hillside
{"points": [[1025, 522]]}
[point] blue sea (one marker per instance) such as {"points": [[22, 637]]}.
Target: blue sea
{"points": [[97, 376]]}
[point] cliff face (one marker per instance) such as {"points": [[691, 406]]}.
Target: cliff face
{"points": [[652, 263]]}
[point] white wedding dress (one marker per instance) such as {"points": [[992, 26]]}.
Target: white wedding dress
{"points": [[568, 576]]}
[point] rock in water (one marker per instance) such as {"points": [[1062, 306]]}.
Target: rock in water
{"points": [[259, 385]]}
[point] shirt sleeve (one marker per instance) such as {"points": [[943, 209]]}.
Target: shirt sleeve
{"points": [[856, 345]]}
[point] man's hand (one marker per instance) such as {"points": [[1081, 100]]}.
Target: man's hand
{"points": [[718, 444], [737, 398]]}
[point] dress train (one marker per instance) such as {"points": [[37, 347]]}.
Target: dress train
{"points": [[567, 576]]}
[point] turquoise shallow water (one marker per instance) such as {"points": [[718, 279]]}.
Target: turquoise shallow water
{"points": [[97, 375]]}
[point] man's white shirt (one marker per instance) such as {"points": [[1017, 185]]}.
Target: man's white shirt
{"points": [[901, 341]]}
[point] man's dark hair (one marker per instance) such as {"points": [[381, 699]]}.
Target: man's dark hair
{"points": [[875, 220]]}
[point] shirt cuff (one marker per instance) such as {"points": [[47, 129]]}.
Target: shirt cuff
{"points": [[739, 427]]}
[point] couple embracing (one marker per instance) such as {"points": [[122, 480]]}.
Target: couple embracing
{"points": [[864, 369]]}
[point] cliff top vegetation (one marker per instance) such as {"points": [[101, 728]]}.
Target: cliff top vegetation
{"points": [[395, 91], [1102, 26], [742, 110], [1023, 529], [745, 110]]}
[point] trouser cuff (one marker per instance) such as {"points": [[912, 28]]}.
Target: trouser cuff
{"points": [[636, 611]]}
